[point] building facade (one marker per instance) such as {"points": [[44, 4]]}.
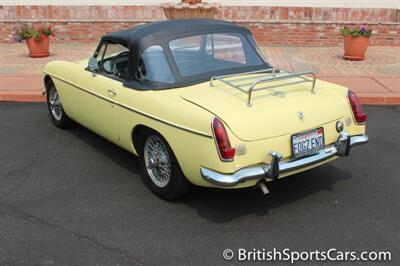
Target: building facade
{"points": [[287, 22]]}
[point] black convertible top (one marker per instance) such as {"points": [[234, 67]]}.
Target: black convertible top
{"points": [[138, 38], [170, 28]]}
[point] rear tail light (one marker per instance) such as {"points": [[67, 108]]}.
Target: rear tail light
{"points": [[357, 108], [225, 150]]}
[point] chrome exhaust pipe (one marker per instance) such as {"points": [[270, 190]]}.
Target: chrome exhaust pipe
{"points": [[263, 187]]}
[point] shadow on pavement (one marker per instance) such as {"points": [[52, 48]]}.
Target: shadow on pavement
{"points": [[220, 205], [109, 149]]}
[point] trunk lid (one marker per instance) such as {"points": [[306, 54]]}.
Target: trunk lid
{"points": [[273, 112]]}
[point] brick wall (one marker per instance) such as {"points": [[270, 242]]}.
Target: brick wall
{"points": [[270, 25]]}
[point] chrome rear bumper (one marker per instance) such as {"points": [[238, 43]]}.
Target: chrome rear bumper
{"points": [[272, 171]]}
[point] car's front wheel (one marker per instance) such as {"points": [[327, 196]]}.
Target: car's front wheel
{"points": [[161, 171], [56, 110]]}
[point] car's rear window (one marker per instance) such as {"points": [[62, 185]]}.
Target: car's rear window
{"points": [[213, 52]]}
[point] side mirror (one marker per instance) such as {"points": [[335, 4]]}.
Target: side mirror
{"points": [[93, 65]]}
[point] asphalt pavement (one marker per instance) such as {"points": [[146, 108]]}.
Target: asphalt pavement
{"points": [[69, 197]]}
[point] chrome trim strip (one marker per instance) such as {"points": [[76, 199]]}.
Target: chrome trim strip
{"points": [[267, 172], [131, 109]]}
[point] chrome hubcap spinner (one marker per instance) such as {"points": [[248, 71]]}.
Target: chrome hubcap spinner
{"points": [[55, 104], [157, 161]]}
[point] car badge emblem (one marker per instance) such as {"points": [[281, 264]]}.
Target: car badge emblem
{"points": [[300, 115]]}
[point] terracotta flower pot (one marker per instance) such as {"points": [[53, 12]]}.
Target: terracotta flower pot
{"points": [[355, 47], [190, 11], [38, 48], [192, 2]]}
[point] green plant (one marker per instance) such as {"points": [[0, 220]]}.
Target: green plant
{"points": [[356, 31], [26, 31]]}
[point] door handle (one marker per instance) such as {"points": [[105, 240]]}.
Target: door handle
{"points": [[112, 92]]}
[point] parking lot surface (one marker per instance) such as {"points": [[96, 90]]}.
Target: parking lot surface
{"points": [[69, 197]]}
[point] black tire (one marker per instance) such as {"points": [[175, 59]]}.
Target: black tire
{"points": [[56, 111], [177, 185]]}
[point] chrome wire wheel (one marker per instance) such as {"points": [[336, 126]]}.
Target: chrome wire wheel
{"points": [[55, 104], [157, 161]]}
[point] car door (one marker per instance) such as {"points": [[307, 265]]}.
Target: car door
{"points": [[98, 110], [136, 106]]}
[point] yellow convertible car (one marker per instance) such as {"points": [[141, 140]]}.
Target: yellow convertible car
{"points": [[199, 104]]}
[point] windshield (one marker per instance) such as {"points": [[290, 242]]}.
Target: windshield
{"points": [[213, 52]]}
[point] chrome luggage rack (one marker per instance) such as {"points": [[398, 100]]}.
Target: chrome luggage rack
{"points": [[272, 74]]}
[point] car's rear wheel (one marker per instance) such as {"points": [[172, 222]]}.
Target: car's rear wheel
{"points": [[56, 110], [161, 171]]}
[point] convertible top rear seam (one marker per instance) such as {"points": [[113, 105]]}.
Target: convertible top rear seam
{"points": [[132, 110]]}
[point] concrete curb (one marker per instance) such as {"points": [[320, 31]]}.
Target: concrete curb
{"points": [[28, 88]]}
